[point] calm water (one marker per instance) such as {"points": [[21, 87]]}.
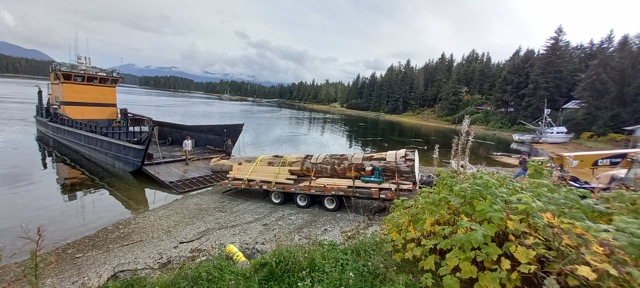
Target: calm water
{"points": [[44, 184]]}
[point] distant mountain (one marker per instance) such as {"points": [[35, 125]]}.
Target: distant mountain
{"points": [[9, 49], [206, 76]]}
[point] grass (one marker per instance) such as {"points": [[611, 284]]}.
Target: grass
{"points": [[366, 262], [598, 144]]}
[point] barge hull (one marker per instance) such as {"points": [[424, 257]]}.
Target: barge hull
{"points": [[116, 155]]}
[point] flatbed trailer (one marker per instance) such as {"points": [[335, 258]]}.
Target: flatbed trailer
{"points": [[329, 191]]}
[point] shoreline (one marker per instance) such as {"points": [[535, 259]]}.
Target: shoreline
{"points": [[411, 119], [195, 226], [571, 146]]}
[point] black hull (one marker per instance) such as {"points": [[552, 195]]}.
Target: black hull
{"points": [[115, 154], [203, 135]]}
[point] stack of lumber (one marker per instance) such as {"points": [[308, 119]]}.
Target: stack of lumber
{"points": [[399, 165], [261, 173]]}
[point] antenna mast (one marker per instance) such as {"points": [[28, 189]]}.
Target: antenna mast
{"points": [[88, 61]]}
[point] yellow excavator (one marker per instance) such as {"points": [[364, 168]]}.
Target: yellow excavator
{"points": [[625, 164]]}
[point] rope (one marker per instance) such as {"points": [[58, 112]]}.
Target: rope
{"points": [[251, 170], [155, 133], [313, 172], [273, 183], [397, 180], [353, 178]]}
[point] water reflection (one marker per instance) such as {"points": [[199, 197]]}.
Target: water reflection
{"points": [[375, 134], [78, 177], [535, 152]]}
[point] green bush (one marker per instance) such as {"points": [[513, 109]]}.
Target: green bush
{"points": [[586, 135], [458, 117], [366, 262], [482, 118], [613, 137], [491, 231], [355, 105]]}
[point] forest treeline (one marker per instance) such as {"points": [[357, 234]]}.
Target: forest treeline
{"points": [[23, 66], [604, 75]]}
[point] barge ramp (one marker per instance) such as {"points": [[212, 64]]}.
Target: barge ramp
{"points": [[168, 167]]}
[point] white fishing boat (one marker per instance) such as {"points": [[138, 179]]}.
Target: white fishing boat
{"points": [[545, 132]]}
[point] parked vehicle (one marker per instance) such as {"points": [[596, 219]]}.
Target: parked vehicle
{"points": [[328, 178]]}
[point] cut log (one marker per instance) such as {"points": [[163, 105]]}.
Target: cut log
{"points": [[401, 165], [358, 183]]}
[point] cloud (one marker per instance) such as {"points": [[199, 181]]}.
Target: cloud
{"points": [[261, 58], [6, 17], [291, 41]]}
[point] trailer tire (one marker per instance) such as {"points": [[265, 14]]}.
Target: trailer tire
{"points": [[276, 198], [331, 203], [302, 200]]}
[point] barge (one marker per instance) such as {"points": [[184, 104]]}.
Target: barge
{"points": [[81, 112]]}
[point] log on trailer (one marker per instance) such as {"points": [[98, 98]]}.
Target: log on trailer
{"points": [[400, 165]]}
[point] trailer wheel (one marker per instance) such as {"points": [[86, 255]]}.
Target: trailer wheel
{"points": [[302, 200], [276, 197], [331, 203]]}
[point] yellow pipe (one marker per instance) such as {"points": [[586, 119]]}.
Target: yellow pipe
{"points": [[236, 255]]}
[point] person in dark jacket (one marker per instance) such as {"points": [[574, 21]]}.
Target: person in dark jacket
{"points": [[522, 170], [228, 147]]}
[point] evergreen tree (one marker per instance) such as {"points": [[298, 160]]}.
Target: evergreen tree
{"points": [[554, 77]]}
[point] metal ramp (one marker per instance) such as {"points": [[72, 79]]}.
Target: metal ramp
{"points": [[198, 182], [184, 178]]}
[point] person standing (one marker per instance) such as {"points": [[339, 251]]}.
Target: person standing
{"points": [[228, 147], [522, 170], [40, 102], [187, 148]]}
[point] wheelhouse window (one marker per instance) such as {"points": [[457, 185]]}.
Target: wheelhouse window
{"points": [[67, 76], [92, 79], [104, 81], [114, 82], [78, 78]]}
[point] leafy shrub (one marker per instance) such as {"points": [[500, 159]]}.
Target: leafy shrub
{"points": [[458, 117], [586, 135], [482, 118], [490, 231], [365, 262], [355, 105], [613, 137]]}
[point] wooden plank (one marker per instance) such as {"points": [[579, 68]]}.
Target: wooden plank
{"points": [[264, 175], [264, 179], [265, 169]]}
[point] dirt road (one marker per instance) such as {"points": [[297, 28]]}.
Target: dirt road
{"points": [[190, 228]]}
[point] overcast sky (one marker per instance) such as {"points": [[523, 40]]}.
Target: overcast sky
{"points": [[298, 40]]}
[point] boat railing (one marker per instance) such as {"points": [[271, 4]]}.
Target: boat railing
{"points": [[130, 132]]}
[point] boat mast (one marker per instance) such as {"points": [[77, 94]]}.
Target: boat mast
{"points": [[544, 117]]}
